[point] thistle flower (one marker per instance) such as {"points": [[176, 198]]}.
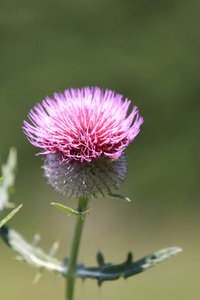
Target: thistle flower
{"points": [[83, 134]]}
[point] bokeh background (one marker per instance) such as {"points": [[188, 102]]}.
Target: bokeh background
{"points": [[149, 52]]}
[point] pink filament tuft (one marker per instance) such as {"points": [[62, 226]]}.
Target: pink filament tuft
{"points": [[83, 124]]}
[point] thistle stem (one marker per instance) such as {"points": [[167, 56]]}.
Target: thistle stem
{"points": [[71, 274]]}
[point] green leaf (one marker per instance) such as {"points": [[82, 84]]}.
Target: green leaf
{"points": [[70, 210], [1, 178], [31, 254], [8, 179], [10, 215], [120, 197], [36, 257], [128, 268]]}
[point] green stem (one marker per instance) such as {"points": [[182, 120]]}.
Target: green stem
{"points": [[71, 274]]}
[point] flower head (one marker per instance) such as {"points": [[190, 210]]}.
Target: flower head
{"points": [[83, 124], [80, 127]]}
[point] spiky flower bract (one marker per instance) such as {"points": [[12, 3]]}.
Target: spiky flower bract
{"points": [[79, 131]]}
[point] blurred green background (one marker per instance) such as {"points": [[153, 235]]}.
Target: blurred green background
{"points": [[149, 52]]}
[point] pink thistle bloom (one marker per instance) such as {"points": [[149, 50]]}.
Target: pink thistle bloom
{"points": [[83, 134], [83, 124]]}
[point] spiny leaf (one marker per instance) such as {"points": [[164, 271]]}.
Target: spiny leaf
{"points": [[31, 254], [70, 210], [103, 272], [112, 272]]}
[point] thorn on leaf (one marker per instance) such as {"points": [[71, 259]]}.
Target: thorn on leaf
{"points": [[129, 258], [100, 259], [37, 277]]}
